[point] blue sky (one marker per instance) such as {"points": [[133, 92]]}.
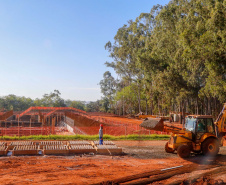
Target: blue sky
{"points": [[59, 44]]}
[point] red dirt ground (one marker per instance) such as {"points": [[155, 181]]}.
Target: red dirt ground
{"points": [[90, 169], [121, 120], [74, 170]]}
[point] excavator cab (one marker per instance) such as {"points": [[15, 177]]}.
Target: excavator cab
{"points": [[199, 125]]}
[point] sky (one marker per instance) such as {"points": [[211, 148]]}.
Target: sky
{"points": [[59, 44]]}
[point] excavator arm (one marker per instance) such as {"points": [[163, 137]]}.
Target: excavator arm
{"points": [[159, 125], [221, 122]]}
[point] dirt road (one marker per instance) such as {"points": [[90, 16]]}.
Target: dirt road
{"points": [[140, 156]]}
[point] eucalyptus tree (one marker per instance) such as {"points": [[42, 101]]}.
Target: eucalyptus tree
{"points": [[175, 55]]}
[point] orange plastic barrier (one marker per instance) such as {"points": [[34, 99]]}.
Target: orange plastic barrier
{"points": [[26, 131]]}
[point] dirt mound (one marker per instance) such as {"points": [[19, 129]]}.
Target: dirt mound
{"points": [[82, 121], [101, 114]]}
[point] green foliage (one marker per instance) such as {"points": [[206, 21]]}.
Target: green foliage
{"points": [[52, 99], [108, 88], [93, 106], [107, 85], [16, 103], [76, 104], [87, 137], [175, 55]]}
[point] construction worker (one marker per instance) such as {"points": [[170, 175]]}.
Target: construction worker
{"points": [[101, 135], [201, 126]]}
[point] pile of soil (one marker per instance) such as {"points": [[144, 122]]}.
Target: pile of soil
{"points": [[102, 114], [82, 121]]}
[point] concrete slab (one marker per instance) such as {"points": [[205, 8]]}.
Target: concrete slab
{"points": [[81, 149], [3, 150], [108, 150], [25, 150]]}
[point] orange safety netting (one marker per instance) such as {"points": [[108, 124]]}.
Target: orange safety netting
{"points": [[51, 109], [26, 131]]}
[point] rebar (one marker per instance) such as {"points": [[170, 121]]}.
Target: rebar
{"points": [[78, 142], [15, 143], [51, 143], [81, 147], [55, 147], [107, 147], [2, 148], [25, 147]]}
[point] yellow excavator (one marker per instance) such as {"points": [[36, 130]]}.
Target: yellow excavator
{"points": [[200, 134]]}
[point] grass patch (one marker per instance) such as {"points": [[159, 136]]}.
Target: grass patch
{"points": [[88, 137]]}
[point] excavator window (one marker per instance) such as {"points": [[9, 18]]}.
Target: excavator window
{"points": [[204, 125], [210, 126], [190, 124]]}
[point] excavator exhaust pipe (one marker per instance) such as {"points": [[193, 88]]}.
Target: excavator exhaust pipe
{"points": [[153, 124]]}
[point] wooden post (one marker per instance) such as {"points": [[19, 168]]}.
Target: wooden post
{"points": [[53, 125], [57, 118], [30, 126], [6, 126], [42, 126], [18, 126]]}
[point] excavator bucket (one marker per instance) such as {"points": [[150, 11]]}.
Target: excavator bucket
{"points": [[153, 124]]}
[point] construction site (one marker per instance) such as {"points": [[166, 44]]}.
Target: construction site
{"points": [[66, 120], [114, 162]]}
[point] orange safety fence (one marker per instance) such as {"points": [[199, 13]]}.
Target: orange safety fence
{"points": [[26, 131], [116, 130]]}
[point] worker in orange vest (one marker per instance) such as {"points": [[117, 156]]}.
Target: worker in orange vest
{"points": [[101, 135]]}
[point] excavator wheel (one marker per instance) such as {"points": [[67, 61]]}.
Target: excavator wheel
{"points": [[168, 149], [210, 147], [183, 151]]}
